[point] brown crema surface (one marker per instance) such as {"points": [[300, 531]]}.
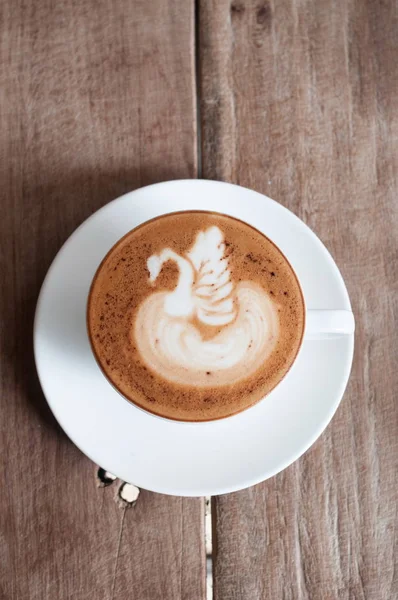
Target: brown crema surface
{"points": [[121, 284]]}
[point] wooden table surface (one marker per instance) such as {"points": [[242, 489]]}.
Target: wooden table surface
{"points": [[294, 98]]}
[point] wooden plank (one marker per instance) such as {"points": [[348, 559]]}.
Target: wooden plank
{"points": [[96, 98], [299, 102]]}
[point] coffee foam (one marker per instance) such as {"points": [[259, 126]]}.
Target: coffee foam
{"points": [[195, 316], [170, 341]]}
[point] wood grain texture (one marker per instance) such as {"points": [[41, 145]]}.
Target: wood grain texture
{"points": [[96, 99], [299, 102]]}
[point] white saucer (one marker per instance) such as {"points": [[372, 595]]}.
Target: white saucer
{"points": [[193, 459]]}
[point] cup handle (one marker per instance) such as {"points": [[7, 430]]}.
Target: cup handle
{"points": [[326, 324]]}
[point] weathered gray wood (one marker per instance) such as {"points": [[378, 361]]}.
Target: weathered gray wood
{"points": [[96, 98], [299, 102]]}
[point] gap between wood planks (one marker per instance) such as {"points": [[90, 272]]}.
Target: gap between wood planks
{"points": [[197, 89], [209, 547], [208, 499]]}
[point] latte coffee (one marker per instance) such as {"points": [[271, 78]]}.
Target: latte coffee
{"points": [[195, 316]]}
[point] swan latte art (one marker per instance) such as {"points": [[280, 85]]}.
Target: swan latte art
{"points": [[195, 316]]}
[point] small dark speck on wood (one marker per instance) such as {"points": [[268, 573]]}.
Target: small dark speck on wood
{"points": [[105, 477], [237, 8], [264, 15]]}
